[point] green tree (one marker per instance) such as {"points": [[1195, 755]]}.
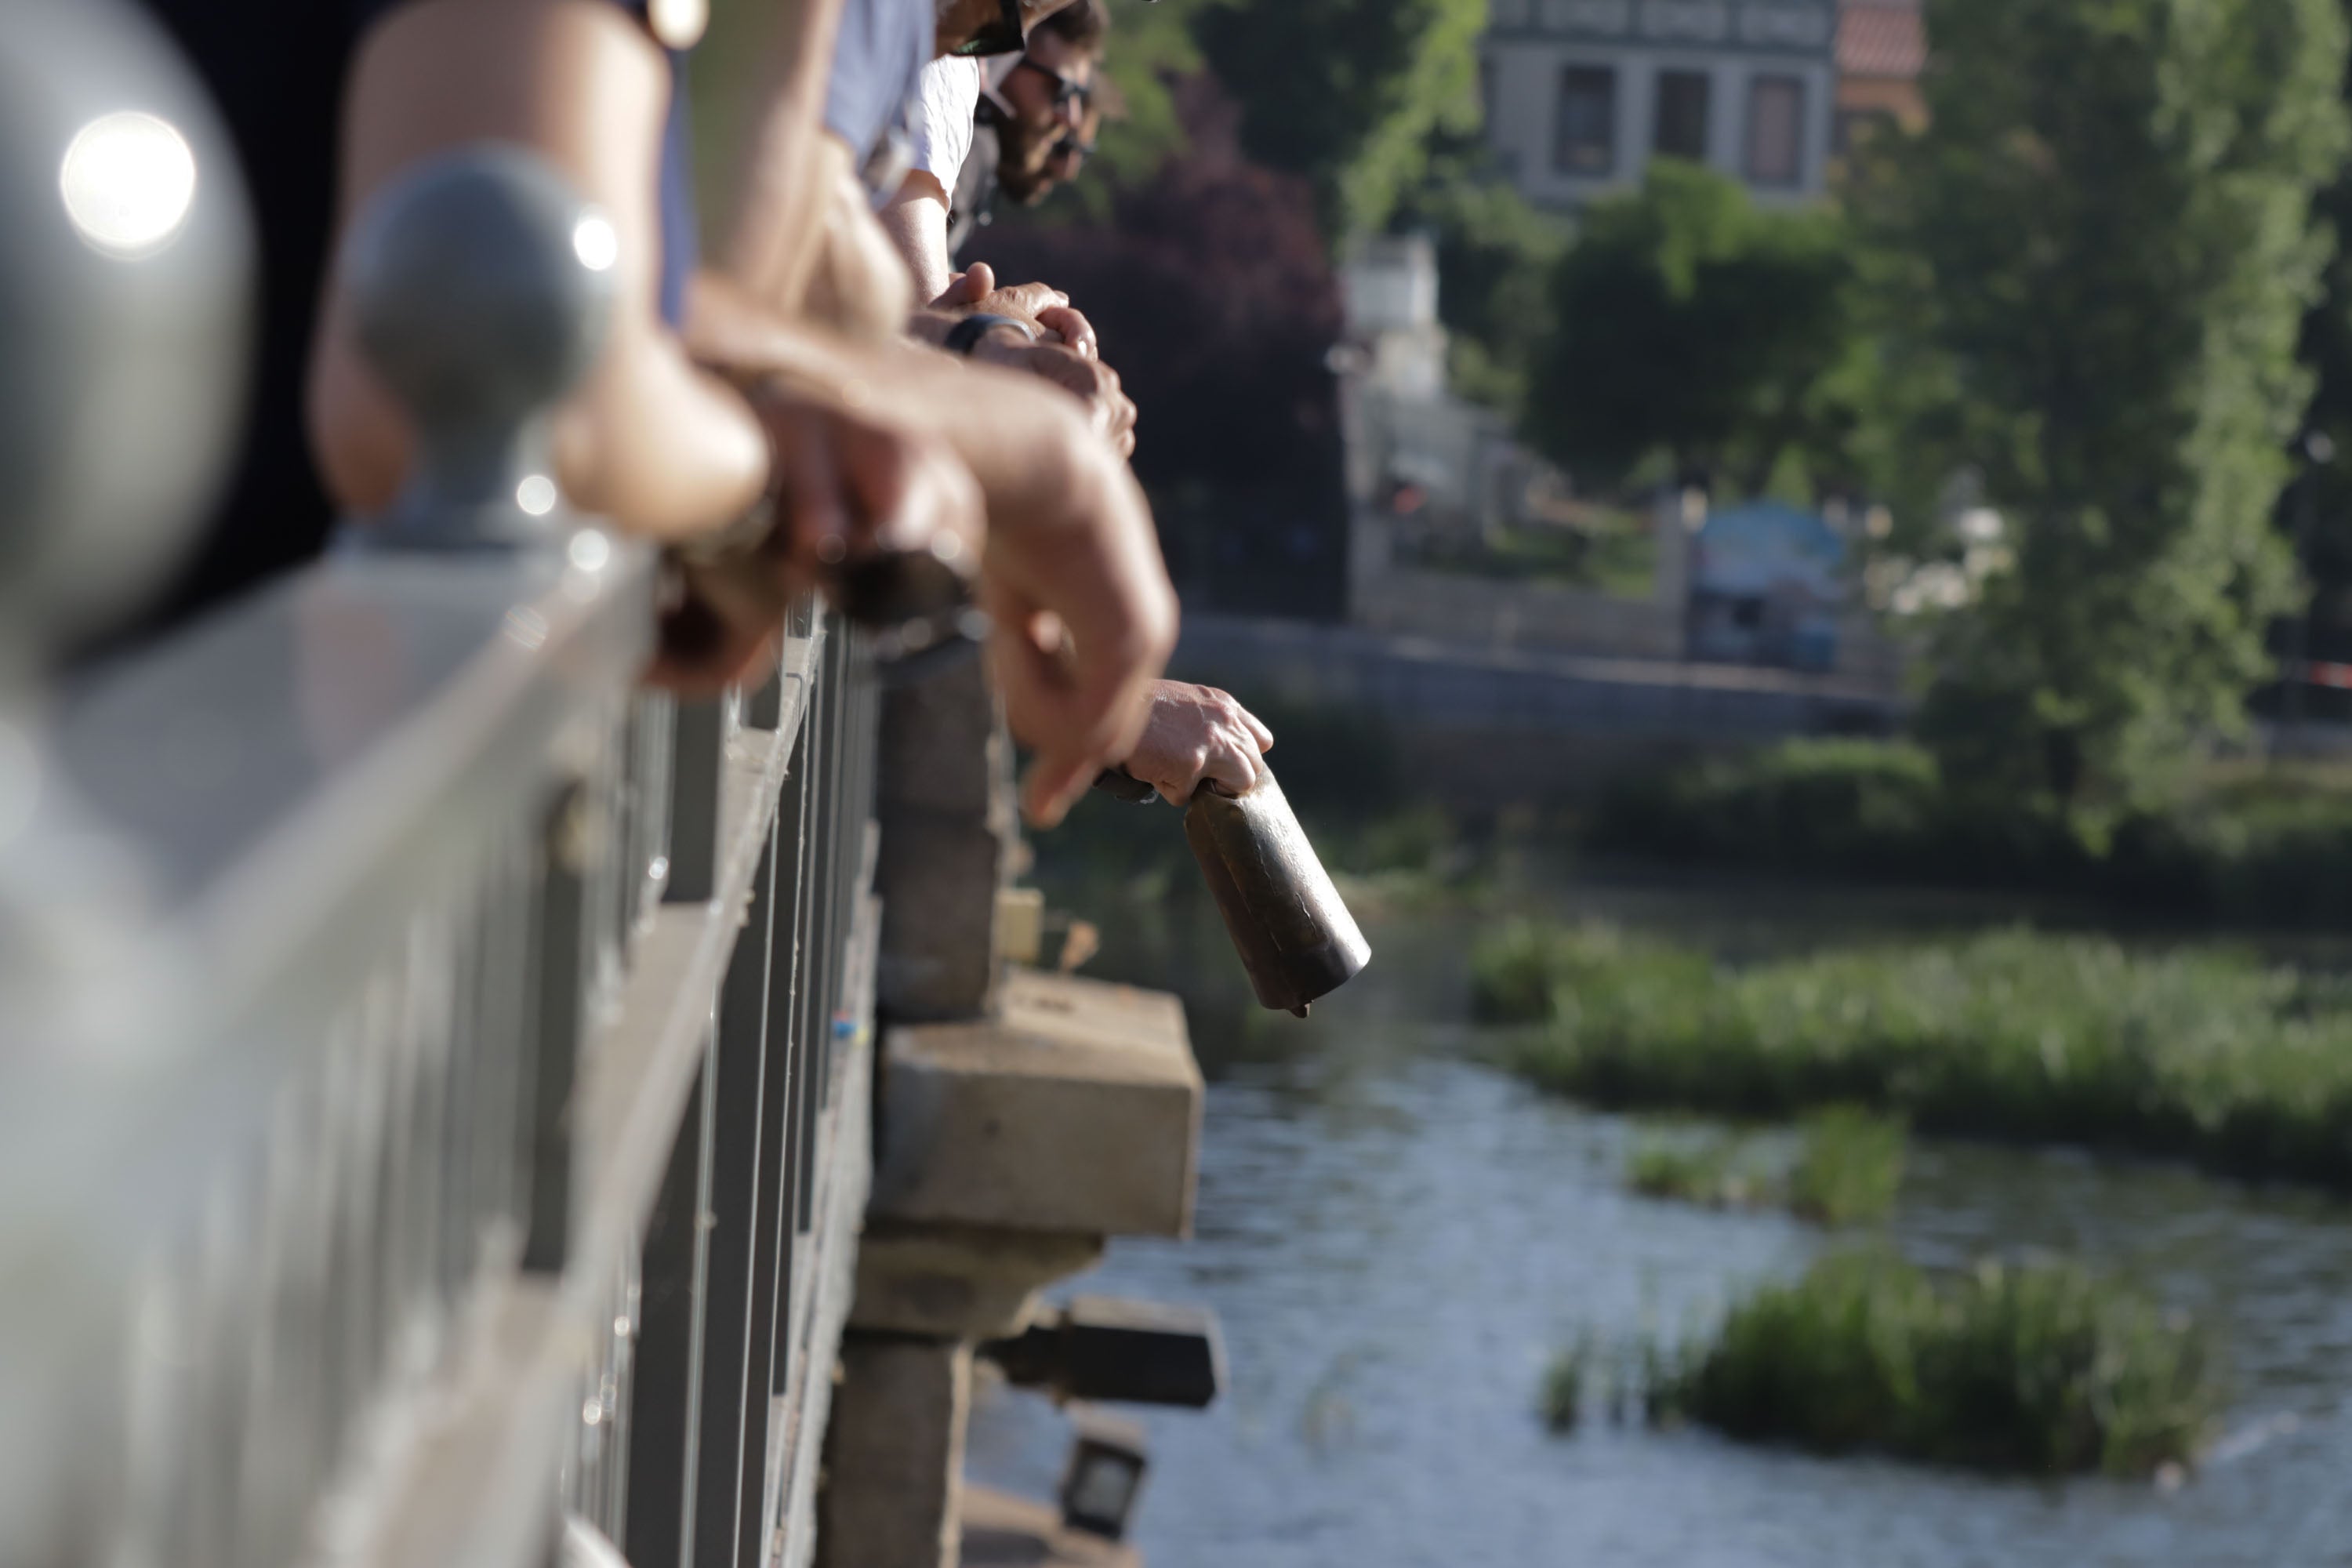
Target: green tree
{"points": [[2105, 235], [1689, 322], [1347, 93], [1150, 47], [1496, 252], [2326, 352]]}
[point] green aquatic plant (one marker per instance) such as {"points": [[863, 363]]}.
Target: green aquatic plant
{"points": [[1719, 1172], [2038, 1368], [2203, 1054], [1561, 1404], [1849, 1167], [1520, 970], [1845, 1168]]}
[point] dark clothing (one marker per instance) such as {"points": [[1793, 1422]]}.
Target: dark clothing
{"points": [[276, 71]]}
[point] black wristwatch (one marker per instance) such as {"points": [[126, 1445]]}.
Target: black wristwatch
{"points": [[965, 335]]}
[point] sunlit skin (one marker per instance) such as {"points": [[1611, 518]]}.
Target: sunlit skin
{"points": [[661, 444], [1038, 124], [663, 448], [1083, 612], [1198, 735]]}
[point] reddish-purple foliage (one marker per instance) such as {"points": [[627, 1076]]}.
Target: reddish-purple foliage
{"points": [[1214, 294]]}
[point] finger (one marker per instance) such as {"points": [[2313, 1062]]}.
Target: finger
{"points": [[1232, 765], [1053, 786], [813, 513], [979, 282], [1036, 298], [957, 295], [1258, 732], [1064, 705], [873, 463], [1039, 705], [1073, 327]]}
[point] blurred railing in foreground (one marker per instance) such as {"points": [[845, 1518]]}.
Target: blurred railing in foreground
{"points": [[434, 1075]]}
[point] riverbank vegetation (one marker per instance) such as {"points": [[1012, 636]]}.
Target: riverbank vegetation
{"points": [[2205, 1055], [2247, 846], [1845, 1169], [2036, 1368]]}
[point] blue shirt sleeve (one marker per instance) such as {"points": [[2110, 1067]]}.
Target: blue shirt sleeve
{"points": [[680, 235], [877, 60]]}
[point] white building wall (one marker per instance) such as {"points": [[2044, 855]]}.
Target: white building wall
{"points": [[1524, 70]]}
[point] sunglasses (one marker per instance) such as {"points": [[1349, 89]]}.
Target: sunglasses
{"points": [[1065, 92], [1006, 35]]}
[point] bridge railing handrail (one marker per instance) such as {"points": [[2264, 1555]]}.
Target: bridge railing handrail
{"points": [[380, 1113]]}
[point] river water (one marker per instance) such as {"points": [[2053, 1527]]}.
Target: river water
{"points": [[1397, 1237]]}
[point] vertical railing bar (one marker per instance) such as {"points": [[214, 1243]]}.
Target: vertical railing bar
{"points": [[658, 1531], [700, 752], [772, 1209], [559, 998], [809, 964], [739, 1064]]}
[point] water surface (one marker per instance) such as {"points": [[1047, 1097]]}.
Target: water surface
{"points": [[1397, 1237]]}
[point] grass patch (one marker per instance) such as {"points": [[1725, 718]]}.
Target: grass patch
{"points": [[1849, 1167], [2206, 1055], [1719, 1173], [1561, 1403], [1846, 1169], [2037, 1369]]}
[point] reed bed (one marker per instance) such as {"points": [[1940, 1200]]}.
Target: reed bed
{"points": [[2038, 1369], [2207, 1055]]}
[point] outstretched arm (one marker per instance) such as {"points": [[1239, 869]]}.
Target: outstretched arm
{"points": [[648, 440]]}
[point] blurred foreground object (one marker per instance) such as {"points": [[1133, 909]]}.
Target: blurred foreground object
{"points": [[126, 256], [339, 1150], [126, 253]]}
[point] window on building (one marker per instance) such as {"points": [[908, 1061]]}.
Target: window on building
{"points": [[1586, 142], [1776, 118], [1681, 130]]}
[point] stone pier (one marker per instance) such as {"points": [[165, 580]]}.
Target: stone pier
{"points": [[1023, 1120]]}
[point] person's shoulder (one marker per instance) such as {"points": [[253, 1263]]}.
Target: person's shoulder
{"points": [[951, 78]]}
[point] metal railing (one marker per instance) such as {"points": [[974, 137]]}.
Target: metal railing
{"points": [[433, 1073]]}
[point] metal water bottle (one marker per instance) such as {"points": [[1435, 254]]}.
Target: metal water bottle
{"points": [[1295, 935]]}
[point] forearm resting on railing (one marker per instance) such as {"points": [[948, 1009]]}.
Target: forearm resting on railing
{"points": [[1084, 614], [650, 440]]}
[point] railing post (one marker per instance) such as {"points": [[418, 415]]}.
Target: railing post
{"points": [[482, 286], [699, 759], [558, 1016], [482, 289]]}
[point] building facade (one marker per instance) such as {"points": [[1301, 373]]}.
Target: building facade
{"points": [[1580, 94], [1882, 47]]}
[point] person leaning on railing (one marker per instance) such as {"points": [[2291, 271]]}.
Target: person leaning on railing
{"points": [[1027, 444], [1194, 734], [663, 442]]}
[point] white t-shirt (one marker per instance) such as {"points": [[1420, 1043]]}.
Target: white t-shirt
{"points": [[938, 118]]}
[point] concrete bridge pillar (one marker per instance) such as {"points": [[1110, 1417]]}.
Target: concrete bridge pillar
{"points": [[1023, 1118]]}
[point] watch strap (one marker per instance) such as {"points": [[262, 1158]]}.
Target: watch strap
{"points": [[965, 335]]}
